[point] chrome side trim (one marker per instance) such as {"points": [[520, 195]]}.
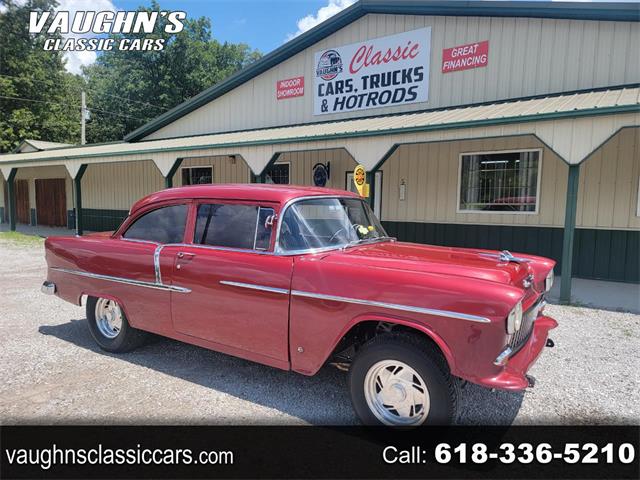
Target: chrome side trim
{"points": [[223, 249], [156, 264], [138, 240], [393, 306], [252, 286], [127, 281]]}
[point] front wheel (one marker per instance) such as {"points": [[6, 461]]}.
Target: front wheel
{"points": [[110, 328], [400, 379]]}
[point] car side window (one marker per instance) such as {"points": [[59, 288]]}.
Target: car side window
{"points": [[233, 226], [163, 225]]}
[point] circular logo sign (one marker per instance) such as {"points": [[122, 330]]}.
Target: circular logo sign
{"points": [[320, 175], [359, 176], [329, 65]]}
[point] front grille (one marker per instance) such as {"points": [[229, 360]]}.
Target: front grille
{"points": [[528, 318]]}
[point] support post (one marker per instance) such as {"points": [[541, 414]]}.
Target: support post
{"points": [[371, 180], [77, 189], [11, 197], [569, 231], [168, 180]]}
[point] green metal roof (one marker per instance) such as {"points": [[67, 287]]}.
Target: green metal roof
{"points": [[574, 105], [564, 10]]}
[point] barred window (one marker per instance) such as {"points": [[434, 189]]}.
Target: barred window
{"points": [[499, 182], [278, 173]]}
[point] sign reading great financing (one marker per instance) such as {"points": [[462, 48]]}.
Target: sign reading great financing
{"points": [[382, 72]]}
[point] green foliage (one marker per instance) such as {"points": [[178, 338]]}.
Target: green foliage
{"points": [[32, 73], [155, 82], [124, 89], [17, 238]]}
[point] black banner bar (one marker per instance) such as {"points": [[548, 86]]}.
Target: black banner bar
{"points": [[320, 452]]}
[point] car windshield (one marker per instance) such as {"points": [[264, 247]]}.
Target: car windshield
{"points": [[329, 222]]}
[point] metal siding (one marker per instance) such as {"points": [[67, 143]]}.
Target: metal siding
{"points": [[572, 54], [116, 186], [224, 170], [301, 170], [431, 173], [608, 191]]}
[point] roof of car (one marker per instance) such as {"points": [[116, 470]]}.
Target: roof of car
{"points": [[239, 191]]}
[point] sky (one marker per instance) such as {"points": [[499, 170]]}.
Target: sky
{"points": [[262, 24]]}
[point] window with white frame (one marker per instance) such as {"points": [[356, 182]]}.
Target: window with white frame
{"points": [[499, 181], [197, 175], [638, 205], [278, 173]]}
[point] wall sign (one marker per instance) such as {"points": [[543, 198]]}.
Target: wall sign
{"points": [[464, 57], [376, 73], [289, 88]]}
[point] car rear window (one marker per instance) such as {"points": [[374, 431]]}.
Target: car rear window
{"points": [[164, 225], [233, 226]]}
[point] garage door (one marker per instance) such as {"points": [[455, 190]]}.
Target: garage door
{"points": [[22, 201], [51, 202]]}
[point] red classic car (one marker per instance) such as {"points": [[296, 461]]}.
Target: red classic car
{"points": [[298, 277]]}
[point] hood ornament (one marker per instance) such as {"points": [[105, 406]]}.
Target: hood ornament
{"points": [[505, 256]]}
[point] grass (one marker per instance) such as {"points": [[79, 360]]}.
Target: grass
{"points": [[18, 238]]}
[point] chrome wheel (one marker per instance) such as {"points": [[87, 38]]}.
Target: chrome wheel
{"points": [[396, 394], [108, 317]]}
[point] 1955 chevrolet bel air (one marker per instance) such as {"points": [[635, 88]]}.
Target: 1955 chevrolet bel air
{"points": [[298, 277]]}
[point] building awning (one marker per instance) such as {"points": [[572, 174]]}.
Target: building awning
{"points": [[537, 109]]}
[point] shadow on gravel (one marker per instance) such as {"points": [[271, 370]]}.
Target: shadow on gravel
{"points": [[321, 399]]}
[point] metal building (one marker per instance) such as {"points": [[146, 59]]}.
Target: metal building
{"points": [[507, 125]]}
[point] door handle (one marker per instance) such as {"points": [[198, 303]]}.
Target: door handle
{"points": [[183, 258]]}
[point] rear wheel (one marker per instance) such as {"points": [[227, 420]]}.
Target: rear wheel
{"points": [[402, 380], [109, 326]]}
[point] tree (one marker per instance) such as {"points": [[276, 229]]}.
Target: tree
{"points": [[152, 82], [36, 93], [125, 89]]}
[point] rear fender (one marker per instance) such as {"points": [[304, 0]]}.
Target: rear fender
{"points": [[91, 293]]}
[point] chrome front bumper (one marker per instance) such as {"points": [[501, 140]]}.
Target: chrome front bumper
{"points": [[48, 288]]}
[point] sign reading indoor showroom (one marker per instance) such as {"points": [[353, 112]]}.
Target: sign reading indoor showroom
{"points": [[289, 88], [382, 72]]}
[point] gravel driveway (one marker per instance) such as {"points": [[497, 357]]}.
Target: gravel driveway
{"points": [[52, 372]]}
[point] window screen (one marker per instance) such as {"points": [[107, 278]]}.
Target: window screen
{"points": [[278, 173], [233, 226], [504, 182], [164, 225]]}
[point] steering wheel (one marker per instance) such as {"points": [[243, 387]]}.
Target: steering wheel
{"points": [[342, 229], [335, 234]]}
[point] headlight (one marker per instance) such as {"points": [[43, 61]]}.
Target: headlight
{"points": [[514, 320], [548, 282]]}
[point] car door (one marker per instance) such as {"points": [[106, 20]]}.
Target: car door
{"points": [[239, 295], [130, 256]]}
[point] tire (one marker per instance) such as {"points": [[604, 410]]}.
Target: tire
{"points": [[116, 336], [409, 365]]}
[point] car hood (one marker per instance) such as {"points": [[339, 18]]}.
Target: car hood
{"points": [[463, 262]]}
